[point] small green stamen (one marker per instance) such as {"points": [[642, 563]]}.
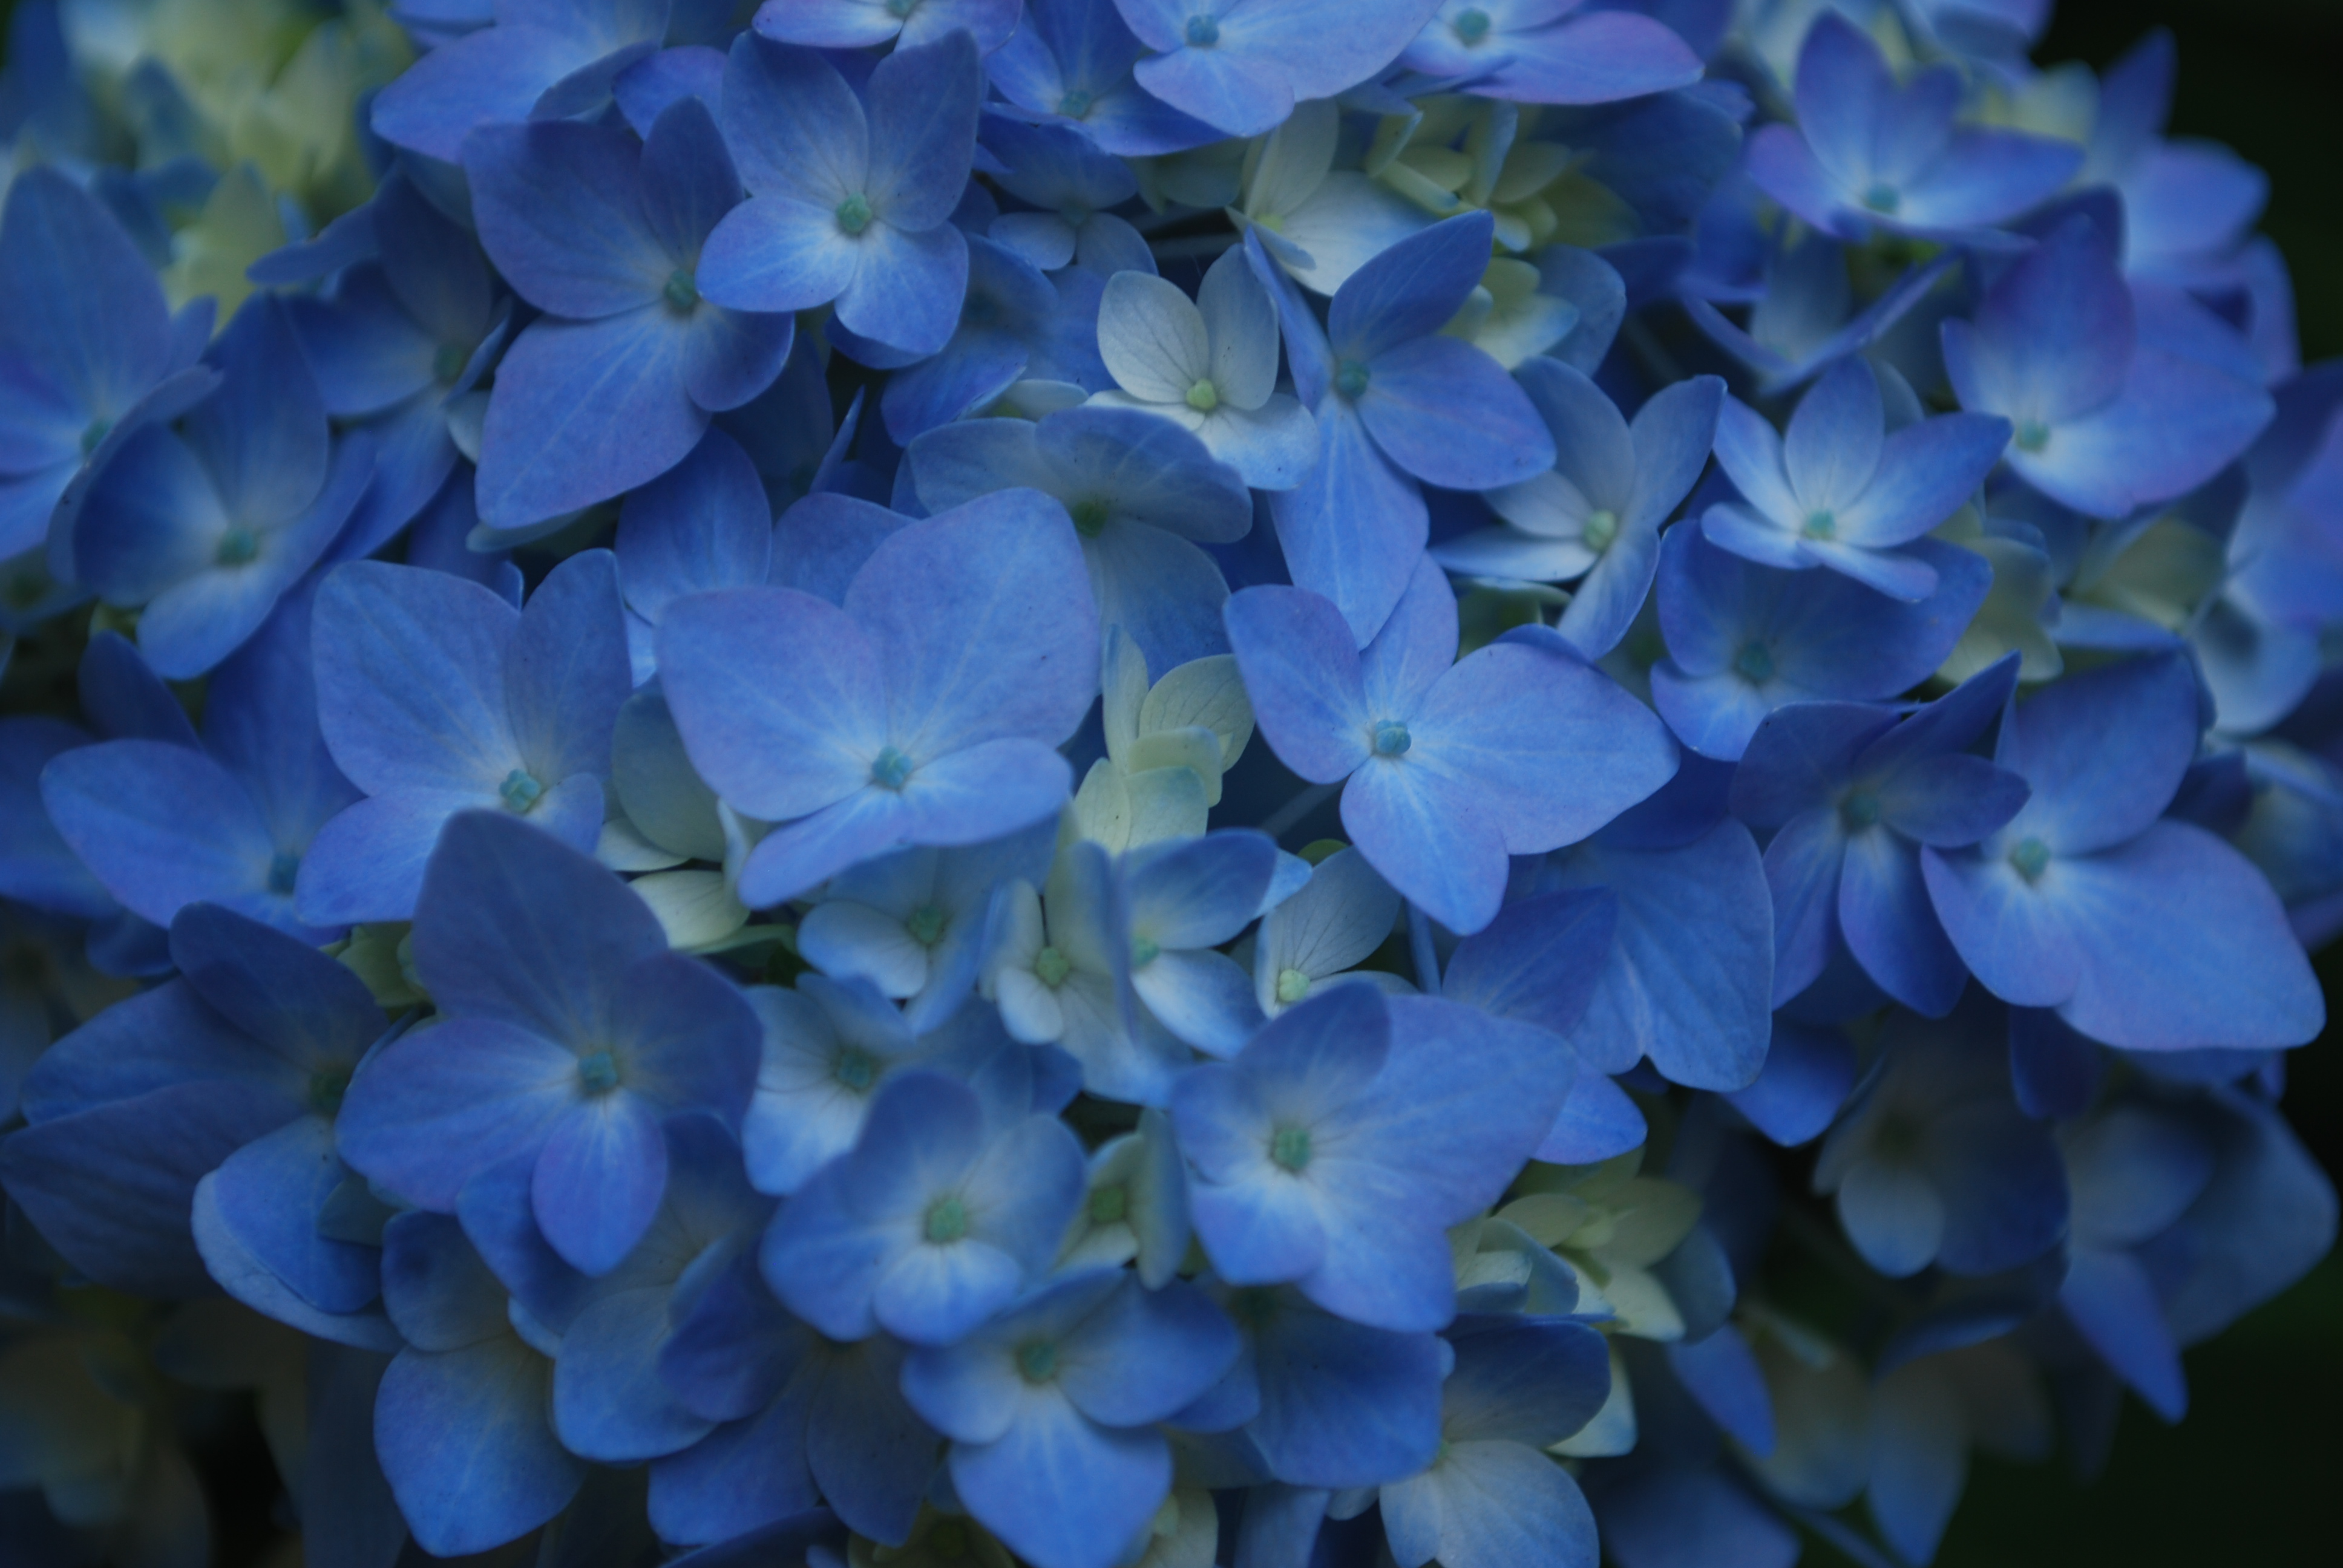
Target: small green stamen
{"points": [[1293, 985], [1471, 25], [1755, 663], [236, 547], [1821, 525], [1392, 738], [1051, 967], [1090, 517], [284, 871], [2031, 859], [1143, 952], [855, 1067], [1859, 810], [1290, 1148], [1351, 379], [448, 362], [95, 432], [1202, 32], [1601, 528], [598, 1073], [926, 926], [2033, 435], [1075, 105], [1110, 1204], [900, 8], [947, 1222], [1203, 396], [520, 790], [1037, 1361], [854, 213], [890, 769], [682, 289], [1883, 198]]}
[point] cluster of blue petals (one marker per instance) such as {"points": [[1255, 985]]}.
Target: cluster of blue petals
{"points": [[1136, 783]]}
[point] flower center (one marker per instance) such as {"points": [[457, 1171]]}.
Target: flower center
{"points": [[1755, 663], [1143, 952], [890, 769], [947, 1221], [1075, 103], [1601, 528], [1203, 396], [855, 1067], [448, 362], [1290, 1148], [1051, 967], [520, 790], [325, 1091], [1293, 985], [2031, 858], [1391, 738], [1204, 31], [1037, 1361], [1883, 198], [1821, 525], [284, 871], [1110, 1204], [854, 213], [95, 433], [926, 926], [236, 547], [2033, 435], [900, 8], [1090, 517], [1351, 379], [1859, 810], [1471, 25], [598, 1073], [682, 289]]}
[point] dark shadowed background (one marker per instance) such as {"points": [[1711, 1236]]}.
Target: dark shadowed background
{"points": [[2254, 1473]]}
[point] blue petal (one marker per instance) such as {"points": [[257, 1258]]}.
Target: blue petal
{"points": [[703, 524], [560, 212], [463, 1438]]}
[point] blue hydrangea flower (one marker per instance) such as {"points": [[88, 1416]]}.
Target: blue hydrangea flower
{"points": [[852, 190], [1048, 1407], [1396, 402], [1851, 795], [219, 1090], [1069, 60], [1549, 52], [165, 821], [607, 235], [1836, 490], [1744, 639], [567, 1032], [439, 697], [1241, 65], [535, 59], [204, 525], [1015, 324], [1338, 1146], [1870, 153], [935, 1219], [1451, 767], [1934, 1164], [1595, 516], [924, 711], [2143, 930], [2105, 423], [1319, 934]]}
